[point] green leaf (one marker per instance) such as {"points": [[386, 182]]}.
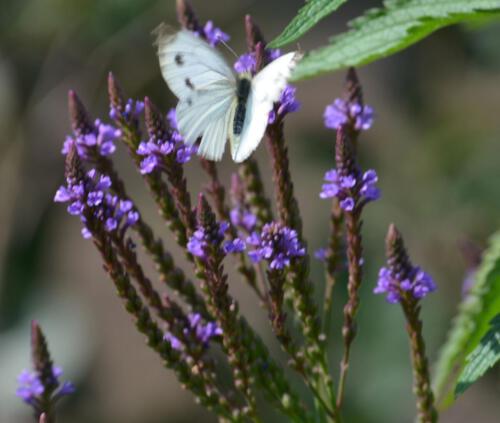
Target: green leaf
{"points": [[307, 17], [485, 356], [471, 323], [381, 32]]}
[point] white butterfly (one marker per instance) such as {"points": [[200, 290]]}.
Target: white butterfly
{"points": [[214, 102]]}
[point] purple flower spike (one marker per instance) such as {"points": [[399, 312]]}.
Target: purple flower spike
{"points": [[400, 280], [276, 244]]}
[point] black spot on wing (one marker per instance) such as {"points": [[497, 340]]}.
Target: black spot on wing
{"points": [[189, 84], [189, 102], [179, 59]]}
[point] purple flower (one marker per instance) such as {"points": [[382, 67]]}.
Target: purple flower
{"points": [[286, 104], [346, 187], [197, 243], [277, 244], [149, 164], [321, 254], [172, 119], [30, 386], [184, 153], [175, 342], [203, 332], [243, 218], [214, 35], [247, 62], [340, 112], [94, 195], [418, 284], [235, 246]]}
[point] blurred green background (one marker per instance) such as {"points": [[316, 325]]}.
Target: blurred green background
{"points": [[435, 144]]}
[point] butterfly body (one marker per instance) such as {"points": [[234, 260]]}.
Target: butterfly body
{"points": [[214, 103], [242, 92]]}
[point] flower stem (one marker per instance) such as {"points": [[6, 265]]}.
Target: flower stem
{"points": [[332, 262], [426, 411]]}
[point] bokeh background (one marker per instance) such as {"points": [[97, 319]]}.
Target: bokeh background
{"points": [[435, 144]]}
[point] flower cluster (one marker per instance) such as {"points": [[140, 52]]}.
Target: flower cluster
{"points": [[341, 112], [200, 240], [286, 104], [276, 244], [203, 332], [131, 111], [343, 186], [417, 283], [30, 387], [102, 139], [94, 194], [155, 150]]}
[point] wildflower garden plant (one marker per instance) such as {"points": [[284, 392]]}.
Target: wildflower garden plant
{"points": [[238, 224]]}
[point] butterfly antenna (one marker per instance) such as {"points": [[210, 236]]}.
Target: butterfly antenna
{"points": [[229, 48]]}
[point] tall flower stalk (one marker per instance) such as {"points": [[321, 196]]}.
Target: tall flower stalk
{"points": [[406, 284]]}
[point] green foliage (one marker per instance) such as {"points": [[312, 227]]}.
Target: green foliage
{"points": [[470, 325], [486, 354], [307, 17], [381, 32]]}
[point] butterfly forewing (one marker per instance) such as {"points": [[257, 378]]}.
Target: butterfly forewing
{"points": [[267, 87], [188, 63]]}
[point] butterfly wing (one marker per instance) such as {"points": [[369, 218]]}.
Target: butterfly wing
{"points": [[205, 85], [267, 87], [188, 63]]}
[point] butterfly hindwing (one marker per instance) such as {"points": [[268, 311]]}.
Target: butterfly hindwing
{"points": [[202, 107], [267, 87]]}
